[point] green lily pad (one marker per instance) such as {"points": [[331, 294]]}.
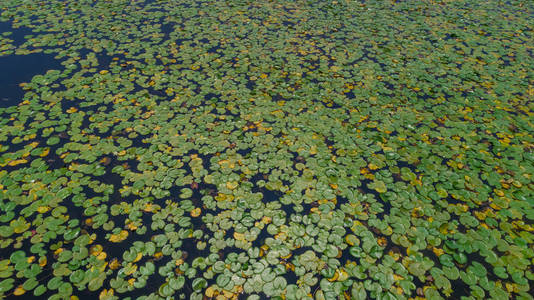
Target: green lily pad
{"points": [[500, 272], [268, 275], [6, 285], [478, 269], [186, 193], [223, 280], [52, 140], [39, 290], [199, 284], [165, 290], [177, 283]]}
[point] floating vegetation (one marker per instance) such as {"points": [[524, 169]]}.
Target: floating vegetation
{"points": [[284, 149]]}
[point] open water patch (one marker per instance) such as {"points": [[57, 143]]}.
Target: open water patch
{"points": [[17, 69]]}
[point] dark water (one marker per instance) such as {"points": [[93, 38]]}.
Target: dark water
{"points": [[17, 34], [16, 69]]}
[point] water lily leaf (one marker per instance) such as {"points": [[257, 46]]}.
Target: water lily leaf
{"points": [[6, 231], [39, 290], [478, 292], [461, 258], [478, 269], [223, 280], [17, 257], [147, 269], [501, 272], [30, 284], [519, 278], [52, 140], [71, 234], [443, 283], [446, 260], [219, 266], [356, 252], [451, 272], [177, 283], [77, 276], [378, 186], [54, 283], [165, 290], [268, 275], [65, 290], [417, 269], [130, 255], [140, 283], [358, 293], [6, 284], [199, 284], [279, 283], [186, 193], [468, 277], [95, 283]]}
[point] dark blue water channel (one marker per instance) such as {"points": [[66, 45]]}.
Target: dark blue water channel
{"points": [[16, 69]]}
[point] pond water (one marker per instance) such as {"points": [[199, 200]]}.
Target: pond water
{"points": [[17, 69], [275, 149]]}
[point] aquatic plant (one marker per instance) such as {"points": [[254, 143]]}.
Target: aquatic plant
{"points": [[285, 149]]}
